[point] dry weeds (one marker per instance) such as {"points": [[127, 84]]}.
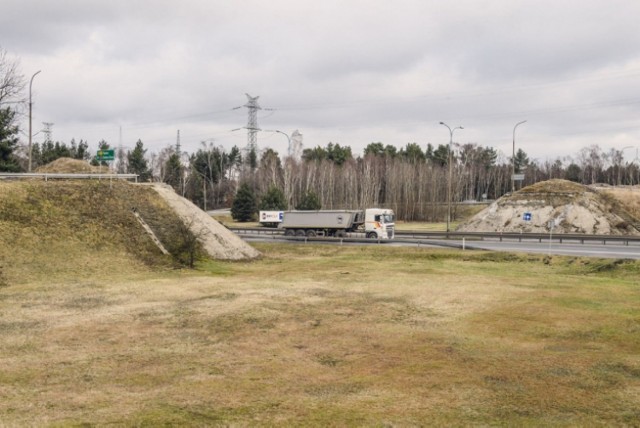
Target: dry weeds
{"points": [[317, 335], [629, 198]]}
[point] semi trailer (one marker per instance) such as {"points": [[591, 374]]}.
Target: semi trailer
{"points": [[270, 218], [373, 223]]}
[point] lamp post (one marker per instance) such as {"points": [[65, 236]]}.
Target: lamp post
{"points": [[513, 159], [288, 139], [30, 110], [449, 181]]}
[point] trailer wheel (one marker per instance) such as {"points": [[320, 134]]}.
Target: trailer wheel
{"points": [[372, 235], [289, 232], [300, 232], [341, 234], [311, 233]]}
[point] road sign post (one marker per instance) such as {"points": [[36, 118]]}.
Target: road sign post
{"points": [[105, 155]]}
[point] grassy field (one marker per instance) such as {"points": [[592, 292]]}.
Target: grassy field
{"points": [[318, 335]]}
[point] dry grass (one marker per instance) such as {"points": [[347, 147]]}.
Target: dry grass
{"points": [[51, 230], [318, 335], [68, 165], [628, 197]]}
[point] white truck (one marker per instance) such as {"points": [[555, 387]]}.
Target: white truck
{"points": [[374, 223]]}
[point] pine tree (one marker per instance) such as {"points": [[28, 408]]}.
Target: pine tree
{"points": [[137, 163], [244, 205], [173, 172], [309, 202], [8, 141], [273, 200]]}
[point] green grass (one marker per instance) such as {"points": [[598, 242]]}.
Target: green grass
{"points": [[323, 335]]}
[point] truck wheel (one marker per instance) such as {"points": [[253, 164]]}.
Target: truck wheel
{"points": [[289, 232], [341, 234], [300, 232], [311, 233], [372, 235]]}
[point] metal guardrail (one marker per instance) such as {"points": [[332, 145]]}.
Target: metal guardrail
{"points": [[500, 236], [512, 236], [53, 176]]}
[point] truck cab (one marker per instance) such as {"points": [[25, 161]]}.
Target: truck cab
{"points": [[379, 223]]}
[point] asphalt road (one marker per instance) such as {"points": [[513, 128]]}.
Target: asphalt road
{"points": [[616, 251]]}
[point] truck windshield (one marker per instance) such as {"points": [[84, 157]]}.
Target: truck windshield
{"points": [[384, 218]]}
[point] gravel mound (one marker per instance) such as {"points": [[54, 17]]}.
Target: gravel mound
{"points": [[561, 205]]}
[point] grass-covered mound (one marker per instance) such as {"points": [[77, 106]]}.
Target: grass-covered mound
{"points": [[72, 166], [81, 228]]}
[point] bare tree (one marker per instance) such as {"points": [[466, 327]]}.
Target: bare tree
{"points": [[12, 83]]}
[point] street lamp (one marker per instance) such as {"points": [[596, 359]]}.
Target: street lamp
{"points": [[513, 159], [449, 181], [288, 139], [30, 109]]}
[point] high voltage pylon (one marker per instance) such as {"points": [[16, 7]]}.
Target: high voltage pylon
{"points": [[252, 122], [47, 131]]}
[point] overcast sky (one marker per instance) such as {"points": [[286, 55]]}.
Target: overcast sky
{"points": [[346, 71]]}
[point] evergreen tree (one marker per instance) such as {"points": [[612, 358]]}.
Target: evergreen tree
{"points": [[137, 163], [252, 159], [174, 171], [8, 141], [573, 173], [273, 200], [309, 202], [244, 204], [413, 153], [440, 156], [521, 161], [317, 154], [337, 154], [79, 151], [376, 149], [102, 145]]}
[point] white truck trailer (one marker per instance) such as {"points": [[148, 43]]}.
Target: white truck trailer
{"points": [[374, 223], [270, 218]]}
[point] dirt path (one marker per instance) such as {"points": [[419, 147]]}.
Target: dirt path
{"points": [[219, 242]]}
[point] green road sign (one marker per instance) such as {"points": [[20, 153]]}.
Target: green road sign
{"points": [[105, 155]]}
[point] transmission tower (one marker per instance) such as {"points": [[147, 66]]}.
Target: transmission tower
{"points": [[252, 123], [47, 131]]}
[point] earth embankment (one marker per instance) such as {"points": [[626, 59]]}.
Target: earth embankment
{"points": [[218, 241], [561, 206], [81, 228]]}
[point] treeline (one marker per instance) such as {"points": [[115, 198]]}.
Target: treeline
{"points": [[411, 180]]}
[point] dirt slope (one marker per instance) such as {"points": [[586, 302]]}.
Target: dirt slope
{"points": [[566, 206], [84, 228], [218, 241]]}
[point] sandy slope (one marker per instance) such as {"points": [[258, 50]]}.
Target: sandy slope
{"points": [[218, 241], [565, 206]]}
